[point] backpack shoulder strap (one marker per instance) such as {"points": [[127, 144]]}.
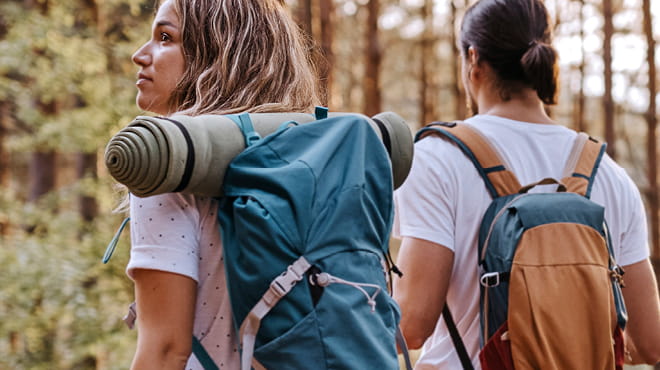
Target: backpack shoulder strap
{"points": [[498, 179], [582, 164]]}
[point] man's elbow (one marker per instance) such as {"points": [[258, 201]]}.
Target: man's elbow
{"points": [[415, 336], [415, 342], [648, 353]]}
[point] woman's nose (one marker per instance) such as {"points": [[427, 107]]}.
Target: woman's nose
{"points": [[141, 57]]}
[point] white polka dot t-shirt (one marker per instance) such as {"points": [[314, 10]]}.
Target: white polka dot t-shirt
{"points": [[179, 233]]}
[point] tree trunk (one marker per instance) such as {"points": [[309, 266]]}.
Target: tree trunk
{"points": [[86, 168], [608, 102], [651, 137], [305, 17], [372, 98], [4, 156], [325, 68], [425, 61], [42, 174], [460, 102], [41, 169], [578, 119]]}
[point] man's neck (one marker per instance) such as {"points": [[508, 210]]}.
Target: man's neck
{"points": [[523, 106]]}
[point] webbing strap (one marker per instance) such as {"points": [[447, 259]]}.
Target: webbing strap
{"points": [[190, 156], [244, 123], [110, 249], [321, 113], [279, 287], [499, 180], [403, 346], [202, 356], [582, 164], [461, 351]]}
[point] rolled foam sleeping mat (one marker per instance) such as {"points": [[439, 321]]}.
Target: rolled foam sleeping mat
{"points": [[152, 155]]}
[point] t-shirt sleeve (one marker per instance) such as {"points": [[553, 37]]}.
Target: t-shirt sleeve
{"points": [[164, 234], [425, 204], [634, 236]]}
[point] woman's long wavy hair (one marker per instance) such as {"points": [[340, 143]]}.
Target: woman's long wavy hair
{"points": [[242, 55]]}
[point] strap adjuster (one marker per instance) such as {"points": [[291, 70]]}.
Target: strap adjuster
{"points": [[493, 279], [294, 273]]}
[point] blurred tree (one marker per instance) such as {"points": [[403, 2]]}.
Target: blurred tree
{"points": [[427, 62], [326, 12], [373, 59], [305, 16], [460, 102], [651, 135], [66, 84], [608, 102], [579, 123]]}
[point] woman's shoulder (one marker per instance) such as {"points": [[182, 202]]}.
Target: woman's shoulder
{"points": [[165, 201]]}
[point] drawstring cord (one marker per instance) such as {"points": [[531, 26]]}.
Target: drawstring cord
{"points": [[324, 279]]}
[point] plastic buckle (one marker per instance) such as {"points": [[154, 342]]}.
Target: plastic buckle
{"points": [[278, 289], [251, 138], [289, 278], [490, 279]]}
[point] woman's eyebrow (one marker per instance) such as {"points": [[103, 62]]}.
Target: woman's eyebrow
{"points": [[165, 23]]}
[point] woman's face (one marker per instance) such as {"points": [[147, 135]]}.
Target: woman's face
{"points": [[161, 62]]}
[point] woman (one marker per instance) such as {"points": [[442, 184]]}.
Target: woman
{"points": [[204, 57], [509, 73]]}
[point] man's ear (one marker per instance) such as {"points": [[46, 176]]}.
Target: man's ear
{"points": [[473, 57], [473, 62]]}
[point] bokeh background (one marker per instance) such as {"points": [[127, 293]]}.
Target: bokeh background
{"points": [[67, 85]]}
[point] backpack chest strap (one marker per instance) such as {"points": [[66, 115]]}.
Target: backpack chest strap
{"points": [[498, 178]]}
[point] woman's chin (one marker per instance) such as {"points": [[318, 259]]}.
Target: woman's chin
{"points": [[149, 106]]}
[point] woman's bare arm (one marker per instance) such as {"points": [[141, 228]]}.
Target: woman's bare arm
{"points": [[165, 311]]}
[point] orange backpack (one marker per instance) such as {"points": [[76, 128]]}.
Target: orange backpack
{"points": [[550, 288]]}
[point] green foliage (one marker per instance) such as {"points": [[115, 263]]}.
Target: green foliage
{"points": [[59, 306], [69, 71], [67, 75]]}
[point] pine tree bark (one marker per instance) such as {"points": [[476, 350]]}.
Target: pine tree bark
{"points": [[578, 118], [86, 168], [608, 102], [651, 136], [423, 65], [326, 13], [4, 156], [305, 17], [372, 97], [42, 174], [460, 100], [42, 167]]}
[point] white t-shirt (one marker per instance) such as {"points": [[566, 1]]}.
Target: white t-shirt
{"points": [[444, 198], [179, 233]]}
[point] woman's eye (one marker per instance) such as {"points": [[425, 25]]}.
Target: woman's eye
{"points": [[165, 37]]}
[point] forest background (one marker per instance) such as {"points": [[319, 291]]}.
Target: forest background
{"points": [[67, 85]]}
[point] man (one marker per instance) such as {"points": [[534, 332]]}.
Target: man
{"points": [[509, 72]]}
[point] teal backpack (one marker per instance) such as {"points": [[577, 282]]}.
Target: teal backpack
{"points": [[550, 287], [305, 220], [305, 217]]}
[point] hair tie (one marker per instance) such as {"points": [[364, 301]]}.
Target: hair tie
{"points": [[532, 44]]}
